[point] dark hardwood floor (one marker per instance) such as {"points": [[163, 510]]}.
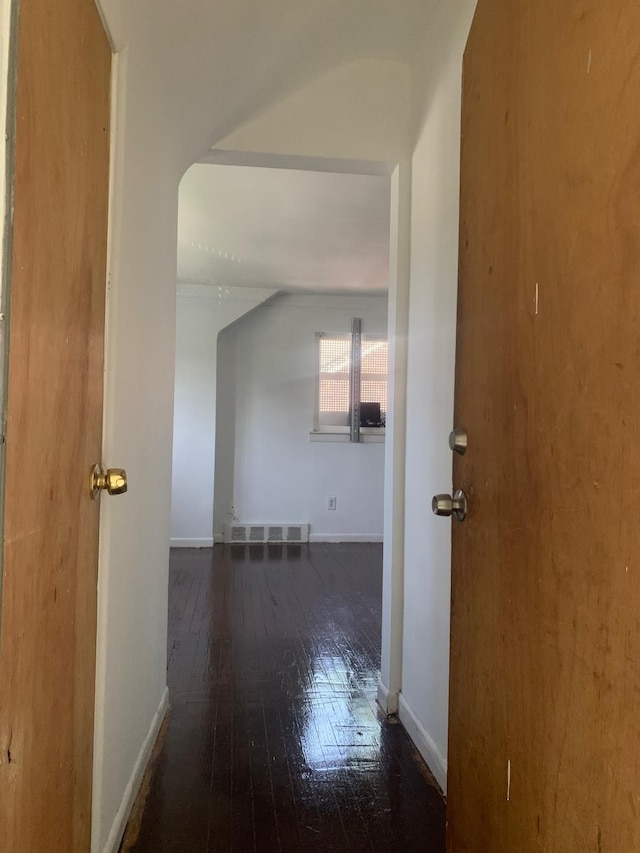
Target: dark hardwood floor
{"points": [[274, 741]]}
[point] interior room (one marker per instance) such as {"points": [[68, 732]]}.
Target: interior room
{"points": [[278, 513], [353, 93], [495, 660], [270, 260]]}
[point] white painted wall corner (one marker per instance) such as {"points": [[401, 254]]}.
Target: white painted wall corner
{"points": [[436, 762], [131, 791]]}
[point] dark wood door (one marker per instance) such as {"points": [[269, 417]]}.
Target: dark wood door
{"points": [[545, 662], [55, 386]]}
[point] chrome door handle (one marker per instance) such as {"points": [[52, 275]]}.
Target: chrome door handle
{"points": [[446, 505]]}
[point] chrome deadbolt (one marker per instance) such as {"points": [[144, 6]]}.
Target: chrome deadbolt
{"points": [[458, 441], [446, 505]]}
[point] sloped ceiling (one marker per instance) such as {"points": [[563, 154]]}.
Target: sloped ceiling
{"points": [[241, 56], [284, 229], [218, 65]]}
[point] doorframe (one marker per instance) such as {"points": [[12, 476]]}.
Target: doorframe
{"points": [[115, 831], [390, 679]]}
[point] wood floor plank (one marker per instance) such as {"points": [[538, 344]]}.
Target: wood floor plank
{"points": [[274, 741]]}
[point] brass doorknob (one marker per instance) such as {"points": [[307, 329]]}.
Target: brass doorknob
{"points": [[112, 480], [446, 505]]}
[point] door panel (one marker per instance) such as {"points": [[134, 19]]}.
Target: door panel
{"points": [[47, 642], [545, 660]]}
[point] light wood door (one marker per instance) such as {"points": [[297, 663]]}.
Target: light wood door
{"points": [[55, 385], [544, 751]]}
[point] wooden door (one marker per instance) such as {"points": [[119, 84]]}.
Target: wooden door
{"points": [[55, 386], [545, 662]]}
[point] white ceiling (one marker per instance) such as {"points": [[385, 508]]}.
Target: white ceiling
{"points": [[260, 50], [283, 229]]}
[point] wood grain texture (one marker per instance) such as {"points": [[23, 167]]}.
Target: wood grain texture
{"points": [[545, 657], [47, 644], [275, 742]]}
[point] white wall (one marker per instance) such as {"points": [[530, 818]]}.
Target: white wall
{"points": [[336, 116], [268, 468], [430, 383], [134, 534], [202, 311]]}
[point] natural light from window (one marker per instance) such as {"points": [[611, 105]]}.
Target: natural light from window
{"points": [[334, 377]]}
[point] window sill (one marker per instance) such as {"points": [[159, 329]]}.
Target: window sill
{"points": [[344, 437]]}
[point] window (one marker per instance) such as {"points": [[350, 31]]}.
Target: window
{"points": [[337, 375], [334, 380]]}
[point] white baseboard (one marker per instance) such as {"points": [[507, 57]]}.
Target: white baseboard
{"points": [[131, 791], [387, 701], [427, 748], [335, 538], [191, 543], [345, 537]]}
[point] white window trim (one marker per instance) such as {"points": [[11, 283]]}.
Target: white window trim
{"points": [[375, 436]]}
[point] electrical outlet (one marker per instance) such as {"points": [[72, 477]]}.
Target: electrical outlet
{"points": [[332, 503]]}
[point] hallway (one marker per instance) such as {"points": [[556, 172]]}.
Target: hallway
{"points": [[274, 740]]}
